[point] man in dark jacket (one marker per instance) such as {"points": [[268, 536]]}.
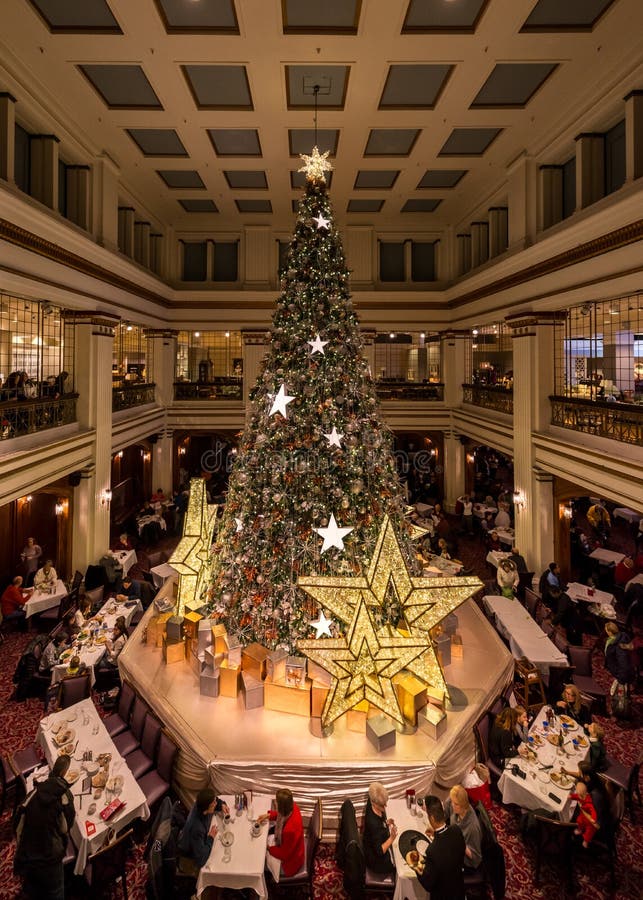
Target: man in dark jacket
{"points": [[44, 822], [195, 841], [442, 876]]}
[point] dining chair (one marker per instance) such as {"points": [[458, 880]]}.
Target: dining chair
{"points": [[532, 602], [481, 730], [109, 865], [348, 852], [156, 783], [119, 721], [303, 879], [583, 677], [554, 839], [14, 768], [141, 760], [95, 596], [130, 739], [626, 778], [73, 689]]}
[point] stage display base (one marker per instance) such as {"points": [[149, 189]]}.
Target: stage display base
{"points": [[259, 749]]}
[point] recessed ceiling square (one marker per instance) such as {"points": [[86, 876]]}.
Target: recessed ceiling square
{"points": [[572, 15], [198, 205], [512, 84], [391, 141], [415, 86], [366, 179], [219, 87], [364, 206], [254, 206], [122, 87], [427, 16], [240, 178], [441, 178], [298, 180], [420, 206], [235, 141], [302, 140], [331, 17], [210, 16], [157, 141], [300, 81], [181, 178], [88, 17], [469, 141]]}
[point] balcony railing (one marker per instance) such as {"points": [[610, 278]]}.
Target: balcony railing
{"points": [[618, 421], [21, 417], [490, 396], [409, 390], [129, 395], [221, 388]]}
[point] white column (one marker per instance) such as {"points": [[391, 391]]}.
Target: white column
{"points": [[254, 350], [498, 234], [454, 469], [162, 343], [634, 135], [105, 216], [453, 348], [7, 136], [522, 194], [78, 195], [126, 230], [142, 243], [44, 169], [550, 190], [590, 169]]}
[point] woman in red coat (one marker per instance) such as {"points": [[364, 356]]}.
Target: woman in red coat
{"points": [[289, 833]]}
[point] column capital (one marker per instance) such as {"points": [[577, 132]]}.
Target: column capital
{"points": [[254, 337], [87, 472], [103, 324], [454, 334], [167, 333], [625, 98], [368, 335], [523, 324], [5, 95]]}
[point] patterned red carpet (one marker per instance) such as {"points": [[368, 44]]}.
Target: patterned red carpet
{"points": [[18, 723]]}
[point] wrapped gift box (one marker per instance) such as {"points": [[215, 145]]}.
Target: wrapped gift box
{"points": [[156, 629], [435, 696], [318, 693], [229, 678], [380, 730], [276, 664], [253, 660], [173, 651], [432, 721], [411, 695], [282, 697], [450, 624], [456, 647], [191, 624], [209, 681], [233, 649], [315, 671], [356, 717], [218, 638], [252, 690], [211, 658], [193, 658], [174, 628], [204, 634], [295, 670], [443, 649]]}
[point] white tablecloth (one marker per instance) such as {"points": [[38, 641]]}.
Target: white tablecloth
{"points": [[505, 536], [494, 557], [406, 885], [127, 558], [606, 556], [581, 593], [39, 601], [160, 574], [248, 853], [92, 735], [630, 515], [525, 636], [480, 510], [533, 791], [638, 579], [424, 508], [439, 566]]}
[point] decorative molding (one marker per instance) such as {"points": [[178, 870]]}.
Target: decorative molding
{"points": [[103, 323], [255, 337], [523, 324], [451, 334], [167, 333]]}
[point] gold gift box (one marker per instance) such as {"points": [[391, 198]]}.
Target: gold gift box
{"points": [[156, 629], [319, 692], [191, 624], [411, 695], [282, 697], [173, 651], [457, 647], [218, 638], [229, 679], [435, 696], [357, 716], [253, 660]]}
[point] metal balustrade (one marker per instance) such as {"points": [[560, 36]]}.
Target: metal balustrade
{"points": [[22, 417], [490, 397], [221, 388], [409, 390], [130, 395], [617, 421]]}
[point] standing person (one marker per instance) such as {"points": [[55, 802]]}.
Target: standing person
{"points": [[467, 514], [442, 876], [518, 560], [618, 662], [13, 603], [379, 832], [507, 578], [45, 820], [30, 556], [288, 846], [196, 838]]}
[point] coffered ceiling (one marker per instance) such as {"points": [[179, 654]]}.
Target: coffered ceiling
{"points": [[204, 105]]}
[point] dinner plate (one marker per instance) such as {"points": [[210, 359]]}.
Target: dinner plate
{"points": [[65, 736], [564, 782], [101, 638], [72, 776], [65, 655], [572, 724], [543, 776], [82, 637]]}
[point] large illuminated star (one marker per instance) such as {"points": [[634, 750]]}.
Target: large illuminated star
{"points": [[423, 602], [362, 665], [191, 558], [315, 165]]}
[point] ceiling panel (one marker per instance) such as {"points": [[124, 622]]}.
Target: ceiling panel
{"points": [[298, 180], [427, 16], [301, 81], [254, 206], [181, 178], [364, 206], [219, 87], [330, 17], [391, 141], [122, 87], [469, 141], [194, 16], [235, 141], [441, 178], [368, 179], [572, 15], [89, 17], [198, 205], [157, 141], [420, 205], [512, 84], [242, 178], [302, 140], [414, 87]]}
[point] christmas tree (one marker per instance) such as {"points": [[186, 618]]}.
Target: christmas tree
{"points": [[314, 473]]}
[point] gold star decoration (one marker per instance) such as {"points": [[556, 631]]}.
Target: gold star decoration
{"points": [[423, 602], [315, 166], [191, 558]]}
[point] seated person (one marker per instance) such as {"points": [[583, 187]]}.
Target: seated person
{"points": [[570, 705], [587, 819], [493, 541], [83, 613], [596, 762], [198, 833], [46, 578], [379, 832], [13, 602], [624, 571], [130, 590], [568, 615], [52, 651], [158, 496], [443, 549], [69, 625], [443, 865], [123, 544], [502, 737], [75, 667], [458, 811], [518, 560], [288, 843], [113, 648], [521, 727], [487, 523]]}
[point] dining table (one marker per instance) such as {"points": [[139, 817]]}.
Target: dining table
{"points": [[506, 536], [439, 566], [80, 730], [39, 601], [637, 579], [607, 557], [534, 787], [600, 602], [161, 573], [495, 557], [237, 859], [127, 558], [524, 634], [481, 509], [407, 886], [630, 515]]}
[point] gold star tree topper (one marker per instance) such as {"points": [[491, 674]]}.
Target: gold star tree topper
{"points": [[316, 165], [191, 558], [421, 603]]}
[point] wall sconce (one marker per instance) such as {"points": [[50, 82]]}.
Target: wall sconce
{"points": [[471, 458], [182, 451], [119, 455], [565, 510], [146, 456], [106, 497], [61, 506], [519, 499]]}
